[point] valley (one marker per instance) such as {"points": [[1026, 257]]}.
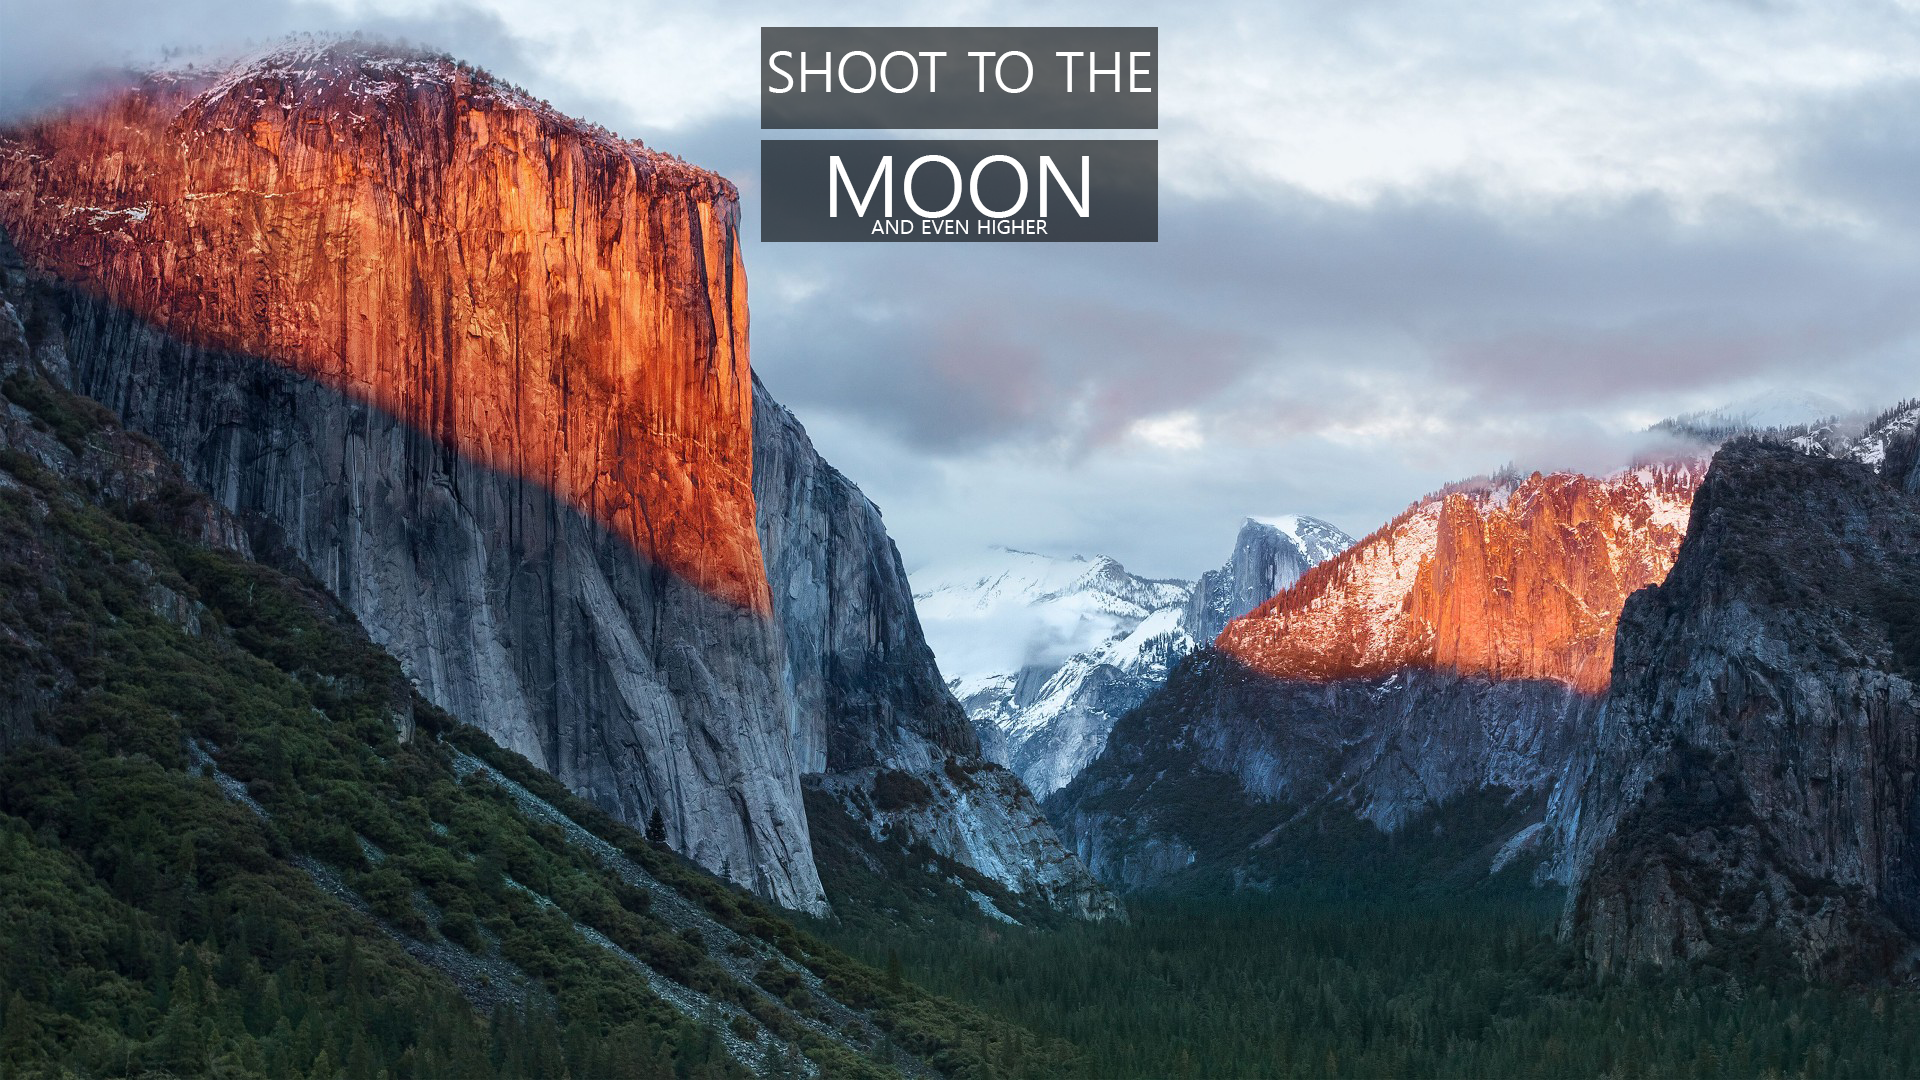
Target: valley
{"points": [[429, 648]]}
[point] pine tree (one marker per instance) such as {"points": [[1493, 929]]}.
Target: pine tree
{"points": [[657, 829]]}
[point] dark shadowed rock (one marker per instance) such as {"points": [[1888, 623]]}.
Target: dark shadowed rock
{"points": [[1753, 782], [1220, 741], [872, 719]]}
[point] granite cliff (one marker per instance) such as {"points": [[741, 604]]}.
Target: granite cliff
{"points": [[1460, 650], [879, 733], [1752, 783], [1510, 578], [1269, 555], [483, 371]]}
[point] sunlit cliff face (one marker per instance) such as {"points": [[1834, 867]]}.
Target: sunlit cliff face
{"points": [[534, 294], [1515, 581]]}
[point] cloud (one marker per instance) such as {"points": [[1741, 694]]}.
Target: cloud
{"points": [[1589, 307], [55, 52], [1401, 243], [1291, 353], [1861, 150]]}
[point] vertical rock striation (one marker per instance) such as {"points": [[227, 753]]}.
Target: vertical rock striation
{"points": [[864, 684], [483, 370], [1513, 579], [1462, 648], [873, 722], [1753, 778], [1268, 556], [1222, 746]]}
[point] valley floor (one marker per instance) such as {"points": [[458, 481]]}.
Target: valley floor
{"points": [[1271, 987]]}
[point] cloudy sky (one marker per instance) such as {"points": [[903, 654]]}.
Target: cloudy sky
{"points": [[1400, 244]]}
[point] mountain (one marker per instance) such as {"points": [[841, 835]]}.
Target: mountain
{"points": [[1046, 653], [235, 839], [1751, 791], [486, 370], [1269, 555], [1514, 578], [482, 369], [1460, 650], [1769, 410], [1892, 427], [1811, 423], [1213, 780]]}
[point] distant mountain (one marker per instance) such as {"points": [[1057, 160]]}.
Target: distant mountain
{"points": [[1870, 446], [1809, 423], [1683, 692], [1518, 578], [1268, 555], [1459, 649], [1046, 653]]}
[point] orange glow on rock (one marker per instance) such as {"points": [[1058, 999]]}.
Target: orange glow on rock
{"points": [[541, 297], [1518, 581]]}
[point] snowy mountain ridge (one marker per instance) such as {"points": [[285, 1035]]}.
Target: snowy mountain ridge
{"points": [[1046, 652], [991, 618]]}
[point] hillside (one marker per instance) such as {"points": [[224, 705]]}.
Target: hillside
{"points": [[237, 841]]}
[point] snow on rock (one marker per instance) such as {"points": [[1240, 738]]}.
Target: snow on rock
{"points": [[1046, 653], [1509, 577], [1269, 555]]}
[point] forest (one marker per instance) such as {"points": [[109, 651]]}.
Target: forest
{"points": [[237, 844], [1278, 986]]}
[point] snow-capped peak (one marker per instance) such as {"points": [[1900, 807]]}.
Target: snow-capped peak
{"points": [[1047, 652], [1012, 609], [1316, 540]]}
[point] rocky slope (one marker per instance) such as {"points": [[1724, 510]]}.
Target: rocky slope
{"points": [[1753, 775], [874, 724], [485, 368], [1512, 578], [1215, 768], [1269, 555], [1459, 650], [234, 840], [1047, 653], [1893, 427]]}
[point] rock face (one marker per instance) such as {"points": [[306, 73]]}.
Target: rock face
{"points": [[1511, 578], [1269, 555], [1182, 775], [541, 298], [1460, 649], [873, 720], [64, 439], [863, 682], [485, 369], [1754, 768]]}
